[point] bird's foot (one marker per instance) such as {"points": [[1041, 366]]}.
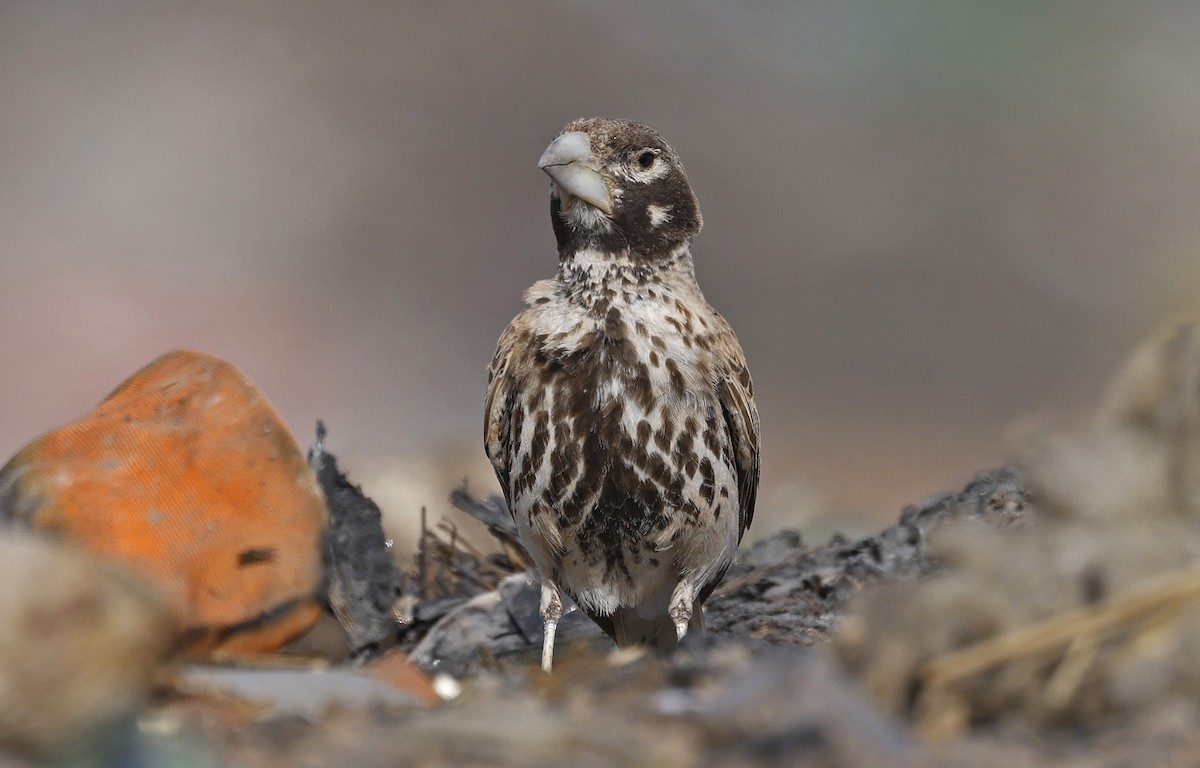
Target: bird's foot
{"points": [[552, 609], [680, 607], [549, 628]]}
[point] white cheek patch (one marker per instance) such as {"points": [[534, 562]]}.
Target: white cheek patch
{"points": [[659, 214]]}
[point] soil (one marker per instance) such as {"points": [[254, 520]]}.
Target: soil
{"points": [[762, 687], [813, 656]]}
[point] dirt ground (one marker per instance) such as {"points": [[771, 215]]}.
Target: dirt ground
{"points": [[1043, 615], [813, 657]]}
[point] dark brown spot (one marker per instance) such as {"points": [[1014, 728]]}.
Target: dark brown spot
{"points": [[564, 461], [674, 490], [623, 353], [640, 389], [525, 476], [639, 454], [614, 325], [255, 555], [517, 421], [684, 445], [668, 424], [712, 436], [643, 431], [675, 379], [612, 411], [657, 470], [685, 313], [708, 481], [649, 496], [541, 438], [662, 441]]}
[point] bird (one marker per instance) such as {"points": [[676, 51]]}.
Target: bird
{"points": [[620, 413]]}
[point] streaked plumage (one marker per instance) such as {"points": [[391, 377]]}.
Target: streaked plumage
{"points": [[620, 413]]}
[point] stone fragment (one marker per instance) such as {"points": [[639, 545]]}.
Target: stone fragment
{"points": [[186, 474]]}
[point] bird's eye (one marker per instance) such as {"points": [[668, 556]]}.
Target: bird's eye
{"points": [[646, 158]]}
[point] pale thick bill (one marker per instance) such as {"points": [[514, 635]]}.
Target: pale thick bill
{"points": [[566, 161]]}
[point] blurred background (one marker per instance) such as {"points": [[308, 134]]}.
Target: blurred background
{"points": [[923, 219]]}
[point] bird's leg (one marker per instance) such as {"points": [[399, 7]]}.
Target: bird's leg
{"points": [[680, 607], [552, 609]]}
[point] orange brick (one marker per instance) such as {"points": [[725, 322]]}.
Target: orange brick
{"points": [[186, 474]]}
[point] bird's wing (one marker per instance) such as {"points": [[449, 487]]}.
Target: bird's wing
{"points": [[736, 392], [498, 406]]}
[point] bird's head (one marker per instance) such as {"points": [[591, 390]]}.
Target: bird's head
{"points": [[618, 186]]}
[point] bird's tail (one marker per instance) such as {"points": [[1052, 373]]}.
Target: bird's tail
{"points": [[629, 627]]}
